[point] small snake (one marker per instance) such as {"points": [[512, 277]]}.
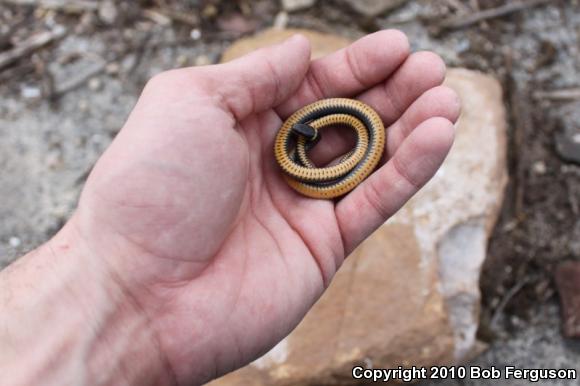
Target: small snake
{"points": [[300, 133]]}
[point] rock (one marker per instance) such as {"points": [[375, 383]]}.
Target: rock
{"points": [[95, 84], [297, 5], [14, 242], [108, 12], [281, 20], [113, 68], [574, 243], [321, 43], [539, 345], [568, 282], [568, 145], [539, 167], [202, 60], [30, 92], [210, 11], [373, 8], [409, 295], [195, 34]]}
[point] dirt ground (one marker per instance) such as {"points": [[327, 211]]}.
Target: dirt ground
{"points": [[62, 103]]}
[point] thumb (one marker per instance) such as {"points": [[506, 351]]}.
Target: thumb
{"points": [[262, 79]]}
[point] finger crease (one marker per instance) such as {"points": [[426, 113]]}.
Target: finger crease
{"points": [[277, 84], [402, 172], [315, 85], [393, 99], [354, 69], [373, 197]]}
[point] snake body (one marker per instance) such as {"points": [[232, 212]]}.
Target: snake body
{"points": [[300, 132]]}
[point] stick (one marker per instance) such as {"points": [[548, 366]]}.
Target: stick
{"points": [[30, 45], [73, 6], [80, 80], [74, 83], [506, 299], [559, 95], [467, 20], [165, 15]]}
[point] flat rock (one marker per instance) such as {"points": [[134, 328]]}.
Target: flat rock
{"points": [[409, 295], [321, 43], [372, 8], [568, 281]]}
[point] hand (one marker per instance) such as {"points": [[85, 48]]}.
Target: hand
{"points": [[189, 214]]}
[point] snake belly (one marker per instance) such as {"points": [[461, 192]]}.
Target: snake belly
{"points": [[300, 132]]}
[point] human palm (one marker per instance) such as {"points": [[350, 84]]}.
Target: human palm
{"points": [[192, 217]]}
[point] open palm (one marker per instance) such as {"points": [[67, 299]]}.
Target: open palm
{"points": [[190, 213]]}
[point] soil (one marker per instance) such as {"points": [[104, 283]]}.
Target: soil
{"points": [[53, 129]]}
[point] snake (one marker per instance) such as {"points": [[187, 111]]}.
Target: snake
{"points": [[302, 131]]}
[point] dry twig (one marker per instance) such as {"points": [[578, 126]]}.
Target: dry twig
{"points": [[513, 291], [559, 95], [521, 115], [73, 6], [467, 20], [78, 81], [30, 45], [159, 15]]}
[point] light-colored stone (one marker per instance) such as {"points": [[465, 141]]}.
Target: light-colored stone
{"points": [[297, 5], [408, 295], [281, 20], [108, 12], [321, 43], [374, 7]]}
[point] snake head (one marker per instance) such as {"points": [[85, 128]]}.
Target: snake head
{"points": [[307, 131]]}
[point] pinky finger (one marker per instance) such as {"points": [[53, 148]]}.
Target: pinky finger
{"points": [[375, 200]]}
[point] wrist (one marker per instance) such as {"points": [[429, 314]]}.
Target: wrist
{"points": [[66, 320]]}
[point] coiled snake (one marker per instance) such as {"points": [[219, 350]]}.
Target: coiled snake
{"points": [[300, 133]]}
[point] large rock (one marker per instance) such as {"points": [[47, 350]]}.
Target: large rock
{"points": [[408, 295], [321, 43]]}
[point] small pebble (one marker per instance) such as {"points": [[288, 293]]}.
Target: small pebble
{"points": [[30, 92], [14, 242], [195, 34], [54, 159], [95, 84], [202, 60], [372, 8], [297, 5], [112, 68], [83, 105], [86, 23], [209, 11], [181, 61], [539, 167], [281, 20], [108, 12], [50, 18]]}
